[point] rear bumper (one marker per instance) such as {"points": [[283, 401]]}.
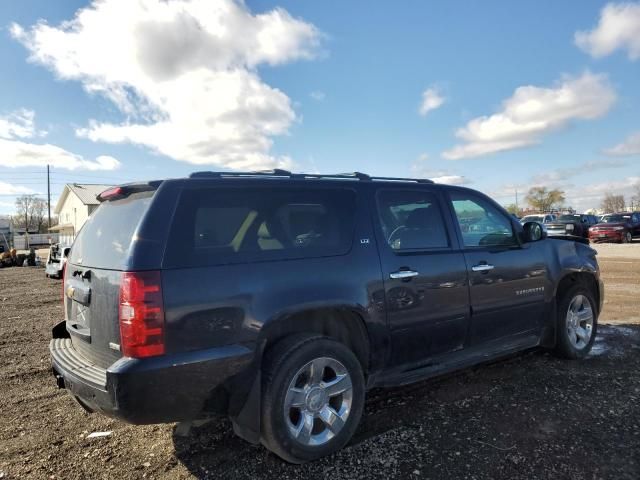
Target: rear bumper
{"points": [[53, 269], [162, 389], [608, 236]]}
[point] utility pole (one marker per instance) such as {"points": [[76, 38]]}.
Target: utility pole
{"points": [[48, 198]]}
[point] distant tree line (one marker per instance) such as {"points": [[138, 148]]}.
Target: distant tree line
{"points": [[543, 199]]}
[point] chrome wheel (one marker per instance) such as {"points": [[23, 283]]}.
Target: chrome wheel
{"points": [[579, 322], [318, 401]]}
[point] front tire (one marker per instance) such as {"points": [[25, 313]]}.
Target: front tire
{"points": [[627, 238], [577, 323], [313, 397]]}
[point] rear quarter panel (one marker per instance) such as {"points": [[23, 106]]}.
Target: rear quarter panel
{"points": [[220, 305]]}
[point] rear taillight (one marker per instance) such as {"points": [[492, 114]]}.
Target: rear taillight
{"points": [[141, 314]]}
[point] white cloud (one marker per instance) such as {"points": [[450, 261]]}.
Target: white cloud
{"points": [[451, 179], [431, 100], [15, 152], [183, 72], [584, 197], [551, 177], [618, 29], [9, 189], [532, 112], [420, 169], [630, 146], [318, 95], [19, 124]]}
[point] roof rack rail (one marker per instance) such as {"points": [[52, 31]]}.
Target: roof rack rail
{"points": [[277, 172], [401, 179]]}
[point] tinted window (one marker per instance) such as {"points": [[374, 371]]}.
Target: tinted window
{"points": [[532, 218], [615, 218], [481, 223], [411, 220], [230, 225], [105, 239]]}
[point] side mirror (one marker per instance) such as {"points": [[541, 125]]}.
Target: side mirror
{"points": [[534, 231]]}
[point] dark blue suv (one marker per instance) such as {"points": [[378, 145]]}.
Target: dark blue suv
{"points": [[279, 299]]}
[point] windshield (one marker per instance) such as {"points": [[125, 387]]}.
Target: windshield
{"points": [[570, 217], [615, 218], [533, 218]]}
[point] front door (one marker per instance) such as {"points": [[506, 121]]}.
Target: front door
{"points": [[507, 279], [425, 276]]}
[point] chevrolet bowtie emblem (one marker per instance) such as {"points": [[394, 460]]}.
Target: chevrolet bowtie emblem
{"points": [[70, 292]]}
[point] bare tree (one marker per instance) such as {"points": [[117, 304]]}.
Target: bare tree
{"points": [[513, 209], [635, 197], [24, 209], [30, 213], [612, 203], [38, 214], [543, 199]]}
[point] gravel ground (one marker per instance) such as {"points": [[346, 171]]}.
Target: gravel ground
{"points": [[630, 251], [532, 416]]}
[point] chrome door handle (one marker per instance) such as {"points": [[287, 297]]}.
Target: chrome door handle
{"points": [[483, 267], [403, 274]]}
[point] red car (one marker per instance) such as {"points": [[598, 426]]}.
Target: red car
{"points": [[616, 227]]}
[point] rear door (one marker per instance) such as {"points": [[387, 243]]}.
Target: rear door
{"points": [[424, 273], [100, 252], [507, 280]]}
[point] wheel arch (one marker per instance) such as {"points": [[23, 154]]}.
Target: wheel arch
{"points": [[568, 280], [344, 323], [587, 279]]}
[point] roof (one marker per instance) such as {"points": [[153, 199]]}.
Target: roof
{"points": [[86, 192], [65, 226]]}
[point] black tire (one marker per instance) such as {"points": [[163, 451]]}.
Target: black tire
{"points": [[564, 347], [281, 364], [627, 238]]}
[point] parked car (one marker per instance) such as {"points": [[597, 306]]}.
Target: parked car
{"points": [[279, 299], [56, 260], [575, 224], [542, 218], [617, 227]]}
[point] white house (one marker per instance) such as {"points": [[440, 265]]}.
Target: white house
{"points": [[74, 206]]}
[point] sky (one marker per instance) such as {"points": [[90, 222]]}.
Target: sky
{"points": [[499, 96]]}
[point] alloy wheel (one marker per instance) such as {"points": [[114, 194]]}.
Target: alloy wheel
{"points": [[318, 401], [579, 322]]}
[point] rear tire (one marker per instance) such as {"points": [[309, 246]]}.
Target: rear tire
{"points": [[577, 323], [313, 397]]}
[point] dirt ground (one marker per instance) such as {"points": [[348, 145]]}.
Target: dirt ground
{"points": [[532, 416]]}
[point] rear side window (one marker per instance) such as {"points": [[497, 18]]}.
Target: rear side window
{"points": [[232, 225], [411, 220], [105, 239]]}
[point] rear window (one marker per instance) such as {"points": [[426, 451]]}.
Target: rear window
{"points": [[105, 239], [232, 225]]}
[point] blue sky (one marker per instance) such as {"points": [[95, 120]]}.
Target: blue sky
{"points": [[519, 93]]}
